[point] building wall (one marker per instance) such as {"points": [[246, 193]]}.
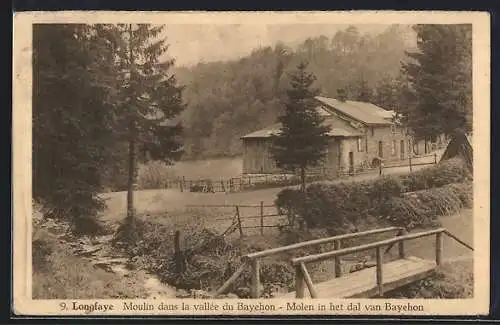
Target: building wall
{"points": [[258, 160], [391, 138]]}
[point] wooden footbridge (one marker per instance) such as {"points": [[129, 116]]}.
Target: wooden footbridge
{"points": [[372, 281]]}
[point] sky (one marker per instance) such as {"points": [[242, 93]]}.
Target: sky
{"points": [[190, 44]]}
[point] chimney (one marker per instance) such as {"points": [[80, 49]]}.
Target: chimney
{"points": [[341, 94]]}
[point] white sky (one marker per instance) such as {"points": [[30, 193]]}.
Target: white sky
{"points": [[190, 44]]}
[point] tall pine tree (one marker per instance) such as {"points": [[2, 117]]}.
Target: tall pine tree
{"points": [[151, 102], [73, 102], [440, 78], [302, 140]]}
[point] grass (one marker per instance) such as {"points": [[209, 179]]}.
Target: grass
{"points": [[453, 280], [57, 274]]}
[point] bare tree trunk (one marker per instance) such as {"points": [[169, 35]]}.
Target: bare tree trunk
{"points": [[303, 179], [130, 190], [130, 224]]}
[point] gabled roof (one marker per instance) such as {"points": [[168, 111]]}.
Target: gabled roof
{"points": [[366, 113], [334, 131]]}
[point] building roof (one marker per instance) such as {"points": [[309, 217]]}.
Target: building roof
{"points": [[363, 112], [366, 113], [334, 131]]}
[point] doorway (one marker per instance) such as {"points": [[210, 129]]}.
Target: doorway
{"points": [[351, 162]]}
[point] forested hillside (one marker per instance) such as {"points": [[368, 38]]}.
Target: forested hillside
{"points": [[226, 100]]}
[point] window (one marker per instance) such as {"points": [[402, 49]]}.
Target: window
{"points": [[393, 128], [373, 131], [360, 144], [393, 150]]}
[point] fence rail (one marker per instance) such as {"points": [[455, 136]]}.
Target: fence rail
{"points": [[240, 221], [302, 277], [255, 181]]}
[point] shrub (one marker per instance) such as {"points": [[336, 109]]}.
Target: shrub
{"points": [[207, 260], [154, 175], [343, 206], [422, 208], [338, 206], [446, 172]]}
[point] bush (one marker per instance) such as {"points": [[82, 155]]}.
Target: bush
{"points": [[154, 175], [338, 206], [422, 208], [342, 206], [207, 260], [446, 172]]}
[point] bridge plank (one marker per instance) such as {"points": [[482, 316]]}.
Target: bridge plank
{"points": [[363, 284]]}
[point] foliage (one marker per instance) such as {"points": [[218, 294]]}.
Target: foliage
{"points": [[421, 208], [154, 175], [59, 274], [446, 172], [72, 131], [148, 103], [302, 140], [207, 258], [454, 280], [440, 77], [341, 207], [227, 100]]}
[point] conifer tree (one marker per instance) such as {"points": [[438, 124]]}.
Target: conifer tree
{"points": [[440, 79], [302, 140], [151, 103], [73, 122]]}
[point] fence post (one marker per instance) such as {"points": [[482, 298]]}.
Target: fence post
{"points": [[401, 244], [262, 217], [255, 279], [380, 280], [177, 252], [299, 282], [439, 248], [239, 221], [338, 268]]}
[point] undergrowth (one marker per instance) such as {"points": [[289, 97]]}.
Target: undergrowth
{"points": [[454, 280]]}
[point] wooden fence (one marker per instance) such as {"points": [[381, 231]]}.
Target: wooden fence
{"points": [[243, 222], [247, 182]]}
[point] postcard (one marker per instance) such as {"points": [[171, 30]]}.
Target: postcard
{"points": [[251, 163]]}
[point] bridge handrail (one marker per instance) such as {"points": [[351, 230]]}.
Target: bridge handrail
{"points": [[313, 242], [360, 248], [302, 276]]}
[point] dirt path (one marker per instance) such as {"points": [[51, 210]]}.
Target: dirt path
{"points": [[460, 225]]}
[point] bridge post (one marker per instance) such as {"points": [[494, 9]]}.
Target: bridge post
{"points": [[380, 263], [401, 244], [439, 248], [299, 282], [338, 267], [254, 288]]}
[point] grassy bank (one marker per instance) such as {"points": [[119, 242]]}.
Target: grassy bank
{"points": [[453, 280]]}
